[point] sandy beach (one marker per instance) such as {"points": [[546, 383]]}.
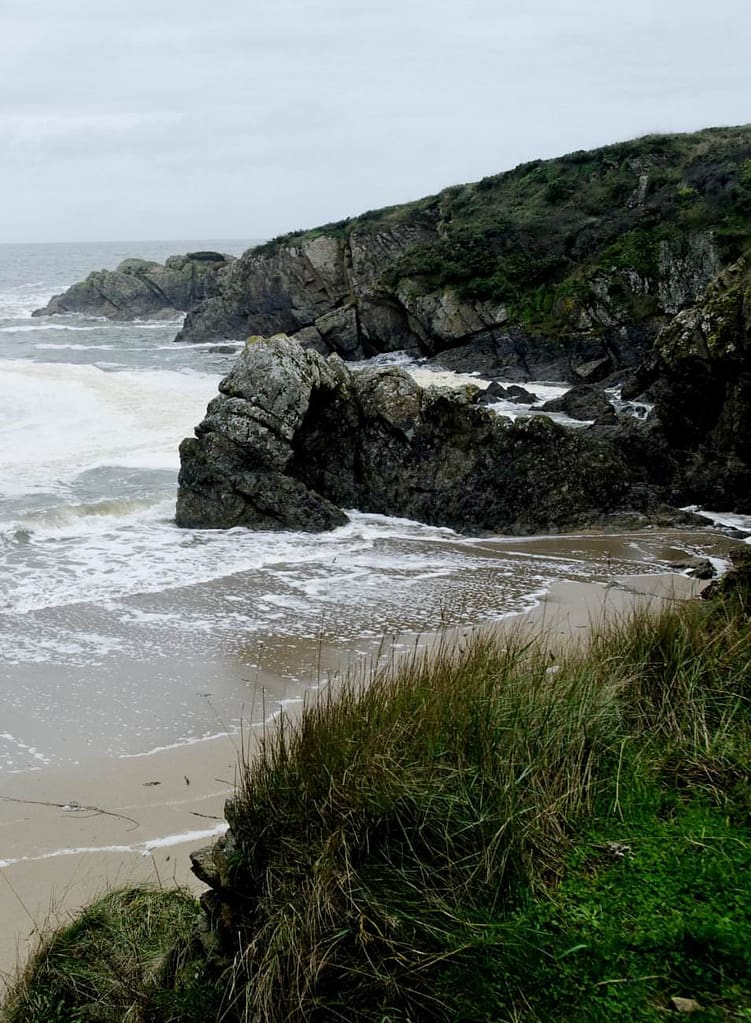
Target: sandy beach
{"points": [[67, 835]]}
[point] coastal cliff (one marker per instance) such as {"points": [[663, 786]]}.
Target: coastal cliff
{"points": [[566, 268], [294, 437], [623, 266]]}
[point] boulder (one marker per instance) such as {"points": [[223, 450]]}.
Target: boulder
{"points": [[496, 392], [584, 402]]}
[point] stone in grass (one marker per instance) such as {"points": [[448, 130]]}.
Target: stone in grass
{"points": [[685, 1005]]}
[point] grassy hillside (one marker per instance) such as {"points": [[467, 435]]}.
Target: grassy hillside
{"points": [[536, 237], [497, 835]]}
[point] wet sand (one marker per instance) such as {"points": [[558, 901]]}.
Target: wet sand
{"points": [[66, 835]]}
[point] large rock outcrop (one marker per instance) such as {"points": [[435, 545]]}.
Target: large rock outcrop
{"points": [[294, 437], [144, 289], [701, 385]]}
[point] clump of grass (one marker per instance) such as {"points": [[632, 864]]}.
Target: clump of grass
{"points": [[112, 964], [374, 837]]}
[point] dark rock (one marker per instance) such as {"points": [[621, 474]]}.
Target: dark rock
{"points": [[292, 435], [496, 392], [594, 371], [207, 257], [702, 569], [735, 585], [583, 402], [520, 395], [638, 380], [702, 394], [493, 393], [233, 472], [507, 355], [203, 865], [141, 288]]}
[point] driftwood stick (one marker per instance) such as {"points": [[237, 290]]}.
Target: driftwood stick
{"points": [[75, 807]]}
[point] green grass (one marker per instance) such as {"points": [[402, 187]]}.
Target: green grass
{"points": [[497, 834], [381, 838], [116, 961]]}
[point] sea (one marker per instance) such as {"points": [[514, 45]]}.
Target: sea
{"points": [[121, 634]]}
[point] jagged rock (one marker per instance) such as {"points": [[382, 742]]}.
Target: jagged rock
{"points": [[506, 354], [212, 863], [735, 585], [293, 435], [702, 393], [141, 288], [234, 469], [593, 371], [521, 395], [686, 266], [495, 392], [639, 380], [702, 569], [584, 402]]}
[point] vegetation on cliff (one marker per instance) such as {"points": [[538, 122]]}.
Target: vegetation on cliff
{"points": [[495, 835], [543, 237]]}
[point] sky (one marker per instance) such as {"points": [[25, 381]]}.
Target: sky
{"points": [[250, 118]]}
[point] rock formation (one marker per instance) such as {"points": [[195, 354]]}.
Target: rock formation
{"points": [[141, 288], [701, 385], [559, 269], [294, 437]]}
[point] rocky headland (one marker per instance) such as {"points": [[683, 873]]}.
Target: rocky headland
{"points": [[558, 269], [624, 268], [144, 289], [621, 268]]}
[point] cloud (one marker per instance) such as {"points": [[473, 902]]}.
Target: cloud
{"points": [[254, 117]]}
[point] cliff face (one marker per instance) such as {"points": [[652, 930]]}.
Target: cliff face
{"points": [[702, 393], [142, 288], [571, 265]]}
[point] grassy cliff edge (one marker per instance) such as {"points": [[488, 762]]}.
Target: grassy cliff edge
{"points": [[494, 835]]}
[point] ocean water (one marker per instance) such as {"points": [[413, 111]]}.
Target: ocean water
{"points": [[120, 633]]}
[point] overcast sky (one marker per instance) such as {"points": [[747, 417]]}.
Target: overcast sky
{"points": [[247, 118]]}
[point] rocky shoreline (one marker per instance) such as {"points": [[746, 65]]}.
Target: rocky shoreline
{"points": [[619, 271], [293, 438]]}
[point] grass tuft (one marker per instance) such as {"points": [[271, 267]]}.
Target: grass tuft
{"points": [[110, 964]]}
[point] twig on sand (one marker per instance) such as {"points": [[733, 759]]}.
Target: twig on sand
{"points": [[75, 807]]}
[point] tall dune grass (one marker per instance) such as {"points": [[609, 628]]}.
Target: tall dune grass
{"points": [[372, 834], [380, 840]]}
